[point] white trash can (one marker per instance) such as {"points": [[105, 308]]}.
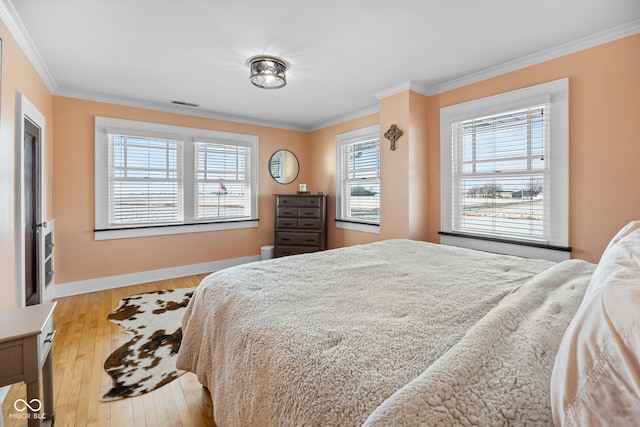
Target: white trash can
{"points": [[266, 252]]}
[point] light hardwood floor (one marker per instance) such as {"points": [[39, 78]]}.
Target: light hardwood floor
{"points": [[84, 340]]}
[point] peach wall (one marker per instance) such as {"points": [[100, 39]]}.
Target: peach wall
{"points": [[80, 257], [604, 109], [403, 193], [323, 177], [419, 125], [403, 185], [18, 76], [394, 168], [604, 85]]}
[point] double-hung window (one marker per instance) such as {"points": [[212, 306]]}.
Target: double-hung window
{"points": [[144, 180], [358, 179], [158, 179], [505, 164], [223, 181]]}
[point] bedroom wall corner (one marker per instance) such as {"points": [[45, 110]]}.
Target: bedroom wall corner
{"points": [[323, 177], [403, 192], [394, 168], [18, 76], [419, 157]]}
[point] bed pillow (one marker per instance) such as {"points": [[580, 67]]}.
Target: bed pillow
{"points": [[596, 375], [613, 259]]}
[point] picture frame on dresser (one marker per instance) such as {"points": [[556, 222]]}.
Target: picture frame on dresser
{"points": [[300, 224]]}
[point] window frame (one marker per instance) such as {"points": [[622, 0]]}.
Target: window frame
{"points": [[348, 138], [104, 126], [556, 94]]}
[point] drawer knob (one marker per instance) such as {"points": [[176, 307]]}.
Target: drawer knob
{"points": [[50, 336]]}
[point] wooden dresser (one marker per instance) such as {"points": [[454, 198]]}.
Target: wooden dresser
{"points": [[301, 224]]}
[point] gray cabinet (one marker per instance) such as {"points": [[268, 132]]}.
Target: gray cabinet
{"points": [[26, 337]]}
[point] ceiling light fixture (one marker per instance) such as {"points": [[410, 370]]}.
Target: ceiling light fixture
{"points": [[268, 72]]}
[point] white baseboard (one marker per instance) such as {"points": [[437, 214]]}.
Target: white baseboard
{"points": [[104, 283]]}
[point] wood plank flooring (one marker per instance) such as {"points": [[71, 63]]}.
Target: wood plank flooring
{"points": [[84, 340]]}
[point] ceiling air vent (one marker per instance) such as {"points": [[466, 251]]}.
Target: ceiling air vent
{"points": [[186, 104]]}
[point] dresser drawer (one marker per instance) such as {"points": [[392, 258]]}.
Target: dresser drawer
{"points": [[286, 222], [287, 212], [309, 223], [45, 339], [300, 202], [292, 238], [309, 212], [293, 250]]}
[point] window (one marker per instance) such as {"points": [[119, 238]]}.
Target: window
{"points": [[144, 180], [358, 179], [223, 185], [505, 165], [157, 179]]}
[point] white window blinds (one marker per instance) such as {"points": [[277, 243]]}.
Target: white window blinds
{"points": [[504, 181], [500, 175], [359, 171], [155, 179], [144, 180], [223, 184]]}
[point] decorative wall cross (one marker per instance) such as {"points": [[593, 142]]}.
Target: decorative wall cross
{"points": [[392, 135]]}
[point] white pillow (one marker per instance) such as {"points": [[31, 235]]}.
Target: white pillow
{"points": [[612, 260], [596, 376]]}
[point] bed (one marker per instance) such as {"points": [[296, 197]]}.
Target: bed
{"points": [[397, 332]]}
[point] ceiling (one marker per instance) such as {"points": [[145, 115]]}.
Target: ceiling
{"points": [[342, 53]]}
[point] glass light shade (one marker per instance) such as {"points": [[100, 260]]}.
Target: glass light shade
{"points": [[268, 72]]}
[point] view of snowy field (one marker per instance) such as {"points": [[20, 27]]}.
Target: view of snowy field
{"points": [[522, 217]]}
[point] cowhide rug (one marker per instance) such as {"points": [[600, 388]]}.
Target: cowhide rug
{"points": [[148, 360]]}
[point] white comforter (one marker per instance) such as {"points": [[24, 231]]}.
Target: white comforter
{"points": [[376, 333]]}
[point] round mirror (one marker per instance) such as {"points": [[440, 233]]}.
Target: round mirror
{"points": [[284, 166]]}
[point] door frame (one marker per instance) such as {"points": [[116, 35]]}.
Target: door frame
{"points": [[26, 110]]}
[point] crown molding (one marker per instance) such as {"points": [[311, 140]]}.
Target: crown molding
{"points": [[587, 42], [344, 118], [10, 17], [403, 87], [176, 109], [583, 43]]}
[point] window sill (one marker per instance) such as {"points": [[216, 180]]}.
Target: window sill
{"points": [[358, 226], [524, 250], [126, 233]]}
